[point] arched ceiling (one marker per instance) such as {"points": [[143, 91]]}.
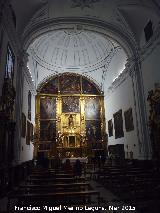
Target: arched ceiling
{"points": [[82, 51], [68, 49]]}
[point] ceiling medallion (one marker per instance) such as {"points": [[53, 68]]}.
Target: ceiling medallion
{"points": [[83, 3]]}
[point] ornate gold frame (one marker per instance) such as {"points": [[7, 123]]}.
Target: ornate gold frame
{"points": [[63, 129]]}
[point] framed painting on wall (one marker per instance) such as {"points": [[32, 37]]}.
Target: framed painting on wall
{"points": [[28, 133], [128, 120], [118, 124], [70, 104], [110, 128], [48, 108], [23, 125], [92, 108], [31, 131], [29, 104]]}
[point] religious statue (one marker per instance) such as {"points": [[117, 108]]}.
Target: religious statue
{"points": [[70, 121]]}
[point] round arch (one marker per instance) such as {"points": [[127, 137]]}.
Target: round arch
{"points": [[124, 39]]}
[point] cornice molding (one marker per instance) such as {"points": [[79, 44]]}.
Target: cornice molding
{"points": [[28, 78], [129, 71], [117, 82]]}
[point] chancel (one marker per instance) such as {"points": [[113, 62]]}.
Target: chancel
{"points": [[79, 90]]}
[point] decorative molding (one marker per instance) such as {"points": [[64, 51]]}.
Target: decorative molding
{"points": [[117, 82], [121, 20], [41, 14], [129, 71], [28, 78], [112, 30], [150, 46], [83, 3]]}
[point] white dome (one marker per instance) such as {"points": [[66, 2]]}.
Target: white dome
{"points": [[72, 49]]}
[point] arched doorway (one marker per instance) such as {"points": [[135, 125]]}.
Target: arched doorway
{"points": [[70, 119]]}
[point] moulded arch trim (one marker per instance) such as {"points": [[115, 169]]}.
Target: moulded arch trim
{"points": [[124, 39]]}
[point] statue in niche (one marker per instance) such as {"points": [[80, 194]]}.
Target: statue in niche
{"points": [[70, 121]]}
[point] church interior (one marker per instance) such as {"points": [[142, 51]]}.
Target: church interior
{"points": [[80, 106]]}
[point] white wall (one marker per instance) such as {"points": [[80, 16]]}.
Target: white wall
{"points": [[116, 66], [122, 98], [26, 152]]}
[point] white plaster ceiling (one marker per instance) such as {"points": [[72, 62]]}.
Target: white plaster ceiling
{"points": [[84, 52], [69, 49]]}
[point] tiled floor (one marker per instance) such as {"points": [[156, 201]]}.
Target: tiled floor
{"points": [[110, 202]]}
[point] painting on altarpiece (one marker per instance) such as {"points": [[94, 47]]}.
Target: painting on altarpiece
{"points": [[70, 104], [92, 108], [70, 84], [47, 130], [88, 87], [51, 87], [48, 108], [93, 130]]}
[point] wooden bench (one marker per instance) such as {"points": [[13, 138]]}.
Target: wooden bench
{"points": [[49, 180], [53, 187], [43, 180], [48, 175]]}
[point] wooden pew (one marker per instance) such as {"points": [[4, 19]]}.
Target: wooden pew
{"points": [[29, 188]]}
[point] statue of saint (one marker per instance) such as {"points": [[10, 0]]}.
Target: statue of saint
{"points": [[70, 121]]}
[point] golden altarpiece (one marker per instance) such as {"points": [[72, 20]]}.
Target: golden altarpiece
{"points": [[70, 118]]}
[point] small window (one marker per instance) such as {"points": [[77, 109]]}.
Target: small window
{"points": [[10, 64], [148, 30]]}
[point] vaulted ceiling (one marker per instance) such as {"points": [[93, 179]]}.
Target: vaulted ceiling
{"points": [[64, 49], [101, 57]]}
